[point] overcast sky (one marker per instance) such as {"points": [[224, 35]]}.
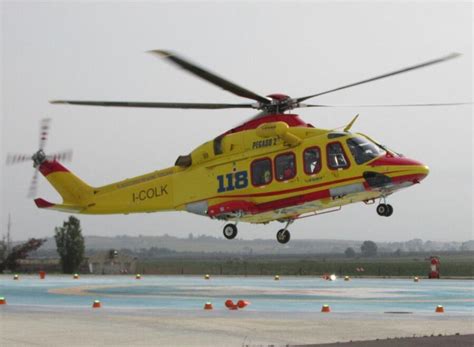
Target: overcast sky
{"points": [[97, 50]]}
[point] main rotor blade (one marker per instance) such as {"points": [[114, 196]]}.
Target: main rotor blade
{"points": [[410, 68], [394, 105], [211, 77], [182, 105]]}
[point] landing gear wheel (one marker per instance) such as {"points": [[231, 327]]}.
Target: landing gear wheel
{"points": [[229, 231], [382, 210], [283, 236], [389, 211]]}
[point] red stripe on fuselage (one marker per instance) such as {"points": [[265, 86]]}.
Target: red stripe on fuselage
{"points": [[287, 191], [294, 190], [49, 167], [226, 207], [305, 198], [292, 201]]}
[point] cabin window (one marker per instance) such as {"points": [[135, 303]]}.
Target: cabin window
{"points": [[312, 160], [337, 159], [285, 166], [363, 150], [261, 172]]}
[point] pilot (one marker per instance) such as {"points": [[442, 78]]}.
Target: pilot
{"points": [[311, 160], [289, 172], [267, 176]]}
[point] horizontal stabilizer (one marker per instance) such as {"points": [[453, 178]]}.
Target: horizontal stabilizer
{"points": [[41, 203]]}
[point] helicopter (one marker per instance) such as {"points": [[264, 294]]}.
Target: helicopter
{"points": [[273, 167]]}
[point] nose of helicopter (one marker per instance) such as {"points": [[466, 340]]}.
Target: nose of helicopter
{"points": [[403, 169], [414, 173], [423, 170], [419, 173]]}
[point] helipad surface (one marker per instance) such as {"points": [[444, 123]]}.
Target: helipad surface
{"points": [[289, 294]]}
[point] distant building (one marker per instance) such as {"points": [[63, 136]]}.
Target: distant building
{"points": [[112, 262]]}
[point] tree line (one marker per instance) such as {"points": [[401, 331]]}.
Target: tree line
{"points": [[367, 249]]}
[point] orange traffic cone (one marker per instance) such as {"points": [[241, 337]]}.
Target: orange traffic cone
{"points": [[96, 304], [230, 305], [208, 306], [439, 309], [3, 301], [325, 309]]}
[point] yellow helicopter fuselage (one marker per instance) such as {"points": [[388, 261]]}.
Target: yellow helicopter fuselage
{"points": [[272, 170]]}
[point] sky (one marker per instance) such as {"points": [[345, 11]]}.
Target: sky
{"points": [[97, 51]]}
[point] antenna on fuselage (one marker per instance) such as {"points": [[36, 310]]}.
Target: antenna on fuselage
{"points": [[349, 126]]}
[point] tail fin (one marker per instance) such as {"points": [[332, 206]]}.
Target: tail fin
{"points": [[73, 190]]}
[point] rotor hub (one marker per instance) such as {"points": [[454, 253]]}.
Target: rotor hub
{"points": [[278, 97], [279, 104], [38, 158]]}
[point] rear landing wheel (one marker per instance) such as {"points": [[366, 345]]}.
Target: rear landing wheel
{"points": [[283, 236], [382, 209], [389, 211], [229, 231]]}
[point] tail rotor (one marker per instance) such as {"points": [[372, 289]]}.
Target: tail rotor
{"points": [[17, 158], [60, 156], [39, 157]]}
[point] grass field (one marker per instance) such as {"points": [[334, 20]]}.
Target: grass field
{"points": [[451, 266]]}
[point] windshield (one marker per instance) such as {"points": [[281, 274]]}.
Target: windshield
{"points": [[363, 150]]}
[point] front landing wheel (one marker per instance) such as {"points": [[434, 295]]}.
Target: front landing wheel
{"points": [[384, 210], [283, 236], [230, 231]]}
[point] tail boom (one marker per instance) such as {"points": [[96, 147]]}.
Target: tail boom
{"points": [[148, 193]]}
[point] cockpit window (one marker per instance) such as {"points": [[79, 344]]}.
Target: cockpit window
{"points": [[363, 150]]}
